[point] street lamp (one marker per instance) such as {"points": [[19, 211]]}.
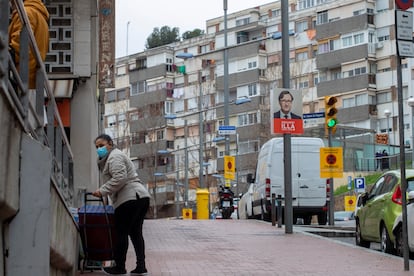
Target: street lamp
{"points": [[200, 121], [387, 113], [226, 77], [410, 102], [127, 32]]}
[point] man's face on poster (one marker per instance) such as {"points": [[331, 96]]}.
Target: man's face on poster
{"points": [[285, 103]]}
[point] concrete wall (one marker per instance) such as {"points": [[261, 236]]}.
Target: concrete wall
{"points": [[85, 117], [64, 236], [9, 160]]}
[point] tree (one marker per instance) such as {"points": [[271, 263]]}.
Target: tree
{"points": [[193, 33], [163, 36]]}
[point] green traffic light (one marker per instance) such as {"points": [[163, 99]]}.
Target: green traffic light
{"points": [[331, 123]]}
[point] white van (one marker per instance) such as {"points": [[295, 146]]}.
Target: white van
{"points": [[309, 191]]}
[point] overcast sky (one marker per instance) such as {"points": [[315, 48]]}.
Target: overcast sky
{"points": [[187, 15]]}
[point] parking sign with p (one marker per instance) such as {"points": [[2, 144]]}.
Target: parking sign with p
{"points": [[359, 184]]}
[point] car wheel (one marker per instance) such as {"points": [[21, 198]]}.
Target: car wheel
{"points": [[386, 244], [307, 220], [358, 237], [322, 218], [399, 246]]}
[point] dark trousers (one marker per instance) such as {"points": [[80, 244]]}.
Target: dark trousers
{"points": [[129, 218]]}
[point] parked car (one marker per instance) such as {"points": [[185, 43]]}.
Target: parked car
{"points": [[344, 215], [245, 204], [397, 228], [380, 207]]}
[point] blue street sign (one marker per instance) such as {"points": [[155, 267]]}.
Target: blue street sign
{"points": [[359, 184], [313, 115], [227, 130]]}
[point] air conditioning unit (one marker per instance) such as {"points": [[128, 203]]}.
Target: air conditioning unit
{"points": [[379, 45]]}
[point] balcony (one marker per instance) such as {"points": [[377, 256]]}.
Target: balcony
{"points": [[343, 26], [336, 58], [338, 86]]}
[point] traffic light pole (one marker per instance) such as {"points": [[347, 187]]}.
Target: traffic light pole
{"points": [[331, 186]]}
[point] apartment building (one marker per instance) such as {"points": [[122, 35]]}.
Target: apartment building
{"points": [[341, 48]]}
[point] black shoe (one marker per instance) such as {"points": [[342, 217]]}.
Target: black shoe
{"points": [[113, 270], [139, 271]]}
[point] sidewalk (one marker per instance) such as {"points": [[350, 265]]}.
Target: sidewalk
{"points": [[250, 247]]}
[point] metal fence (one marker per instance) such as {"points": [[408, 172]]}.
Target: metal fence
{"points": [[32, 108]]}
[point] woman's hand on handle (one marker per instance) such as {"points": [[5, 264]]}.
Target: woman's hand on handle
{"points": [[97, 193]]}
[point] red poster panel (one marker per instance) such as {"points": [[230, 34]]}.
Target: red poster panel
{"points": [[286, 111], [288, 126]]}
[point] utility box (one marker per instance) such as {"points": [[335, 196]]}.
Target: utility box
{"points": [[202, 204], [187, 213]]}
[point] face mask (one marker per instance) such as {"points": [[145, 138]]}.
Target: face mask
{"points": [[102, 152]]}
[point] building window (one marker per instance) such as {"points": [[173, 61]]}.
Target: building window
{"points": [[302, 56], [111, 97], [243, 21], [160, 134], [304, 84], [275, 13], [359, 38], [252, 89], [121, 95], [142, 86], [111, 120], [305, 4], [301, 26], [248, 147], [141, 63], [322, 17], [384, 97], [252, 64], [139, 138], [134, 116], [361, 99], [334, 44], [350, 102], [121, 70], [169, 107], [347, 41], [383, 34], [203, 49], [242, 37], [336, 74], [360, 71], [359, 12], [323, 48], [121, 119], [134, 88], [247, 119]]}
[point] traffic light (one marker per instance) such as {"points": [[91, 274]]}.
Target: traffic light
{"points": [[330, 113]]}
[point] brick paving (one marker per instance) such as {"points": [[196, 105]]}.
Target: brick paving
{"points": [[248, 247]]}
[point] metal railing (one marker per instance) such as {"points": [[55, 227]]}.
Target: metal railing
{"points": [[14, 87]]}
